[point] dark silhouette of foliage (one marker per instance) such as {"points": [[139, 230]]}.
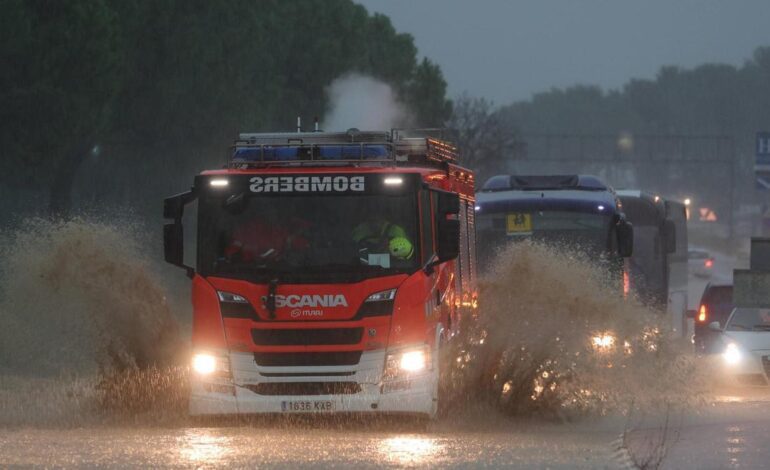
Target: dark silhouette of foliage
{"points": [[160, 88]]}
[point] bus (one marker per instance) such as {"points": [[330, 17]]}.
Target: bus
{"points": [[578, 212], [658, 267]]}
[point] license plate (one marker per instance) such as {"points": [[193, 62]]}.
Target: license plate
{"points": [[518, 223], [307, 406]]}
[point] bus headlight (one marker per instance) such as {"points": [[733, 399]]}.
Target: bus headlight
{"points": [[732, 355], [603, 342]]}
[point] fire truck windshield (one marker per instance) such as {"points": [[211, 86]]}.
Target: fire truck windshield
{"points": [[308, 238]]}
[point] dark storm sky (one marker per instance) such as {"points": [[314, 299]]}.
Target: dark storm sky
{"points": [[507, 50]]}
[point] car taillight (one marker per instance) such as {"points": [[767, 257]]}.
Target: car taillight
{"points": [[702, 313], [709, 263]]}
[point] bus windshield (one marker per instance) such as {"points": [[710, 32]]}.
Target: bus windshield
{"points": [[585, 232], [590, 232]]}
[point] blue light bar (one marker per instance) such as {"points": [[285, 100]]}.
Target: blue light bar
{"points": [[351, 152]]}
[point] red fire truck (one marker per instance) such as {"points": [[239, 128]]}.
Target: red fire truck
{"points": [[331, 271]]}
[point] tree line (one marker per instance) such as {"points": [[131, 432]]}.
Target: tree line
{"points": [[711, 99], [122, 101]]}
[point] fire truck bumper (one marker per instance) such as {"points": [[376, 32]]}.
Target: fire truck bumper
{"points": [[281, 390]]}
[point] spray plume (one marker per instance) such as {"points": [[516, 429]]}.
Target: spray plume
{"points": [[555, 337], [86, 323], [364, 103]]}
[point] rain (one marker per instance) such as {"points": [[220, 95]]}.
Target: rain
{"points": [[368, 234]]}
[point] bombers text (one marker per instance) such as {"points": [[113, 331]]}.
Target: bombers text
{"points": [[304, 184]]}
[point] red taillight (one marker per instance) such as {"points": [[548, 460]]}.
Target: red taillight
{"points": [[626, 284], [709, 263], [702, 313]]}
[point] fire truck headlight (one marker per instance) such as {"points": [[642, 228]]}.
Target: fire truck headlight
{"points": [[413, 361], [205, 363], [402, 364], [732, 355], [232, 298], [219, 182], [393, 180], [385, 295]]}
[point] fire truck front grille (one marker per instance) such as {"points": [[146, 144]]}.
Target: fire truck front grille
{"points": [[346, 358], [305, 388], [302, 337]]}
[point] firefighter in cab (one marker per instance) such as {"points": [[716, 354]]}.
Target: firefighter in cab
{"points": [[378, 235], [269, 240]]}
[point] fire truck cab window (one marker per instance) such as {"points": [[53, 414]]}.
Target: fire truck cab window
{"points": [[299, 238], [426, 211]]}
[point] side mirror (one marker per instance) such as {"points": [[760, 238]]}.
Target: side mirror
{"points": [[669, 236], [173, 233], [447, 203], [173, 244], [714, 326], [692, 313], [173, 207], [447, 226], [625, 232]]}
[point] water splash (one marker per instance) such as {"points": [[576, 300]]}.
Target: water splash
{"points": [[82, 308], [555, 337]]}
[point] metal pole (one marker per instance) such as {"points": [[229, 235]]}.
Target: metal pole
{"points": [[732, 188]]}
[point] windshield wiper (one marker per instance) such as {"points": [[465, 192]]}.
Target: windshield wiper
{"points": [[762, 327]]}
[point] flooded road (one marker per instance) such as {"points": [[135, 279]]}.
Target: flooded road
{"points": [[727, 432], [139, 419], [502, 445], [731, 432]]}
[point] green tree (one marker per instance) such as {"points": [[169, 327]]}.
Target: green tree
{"points": [[163, 86], [426, 95], [60, 63]]}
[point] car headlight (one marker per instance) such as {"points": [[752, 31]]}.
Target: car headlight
{"points": [[210, 364], [732, 355], [400, 364]]}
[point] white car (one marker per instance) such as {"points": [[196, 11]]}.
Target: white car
{"points": [[746, 345], [701, 263]]}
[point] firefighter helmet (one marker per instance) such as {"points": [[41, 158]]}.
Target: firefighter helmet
{"points": [[400, 247]]}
